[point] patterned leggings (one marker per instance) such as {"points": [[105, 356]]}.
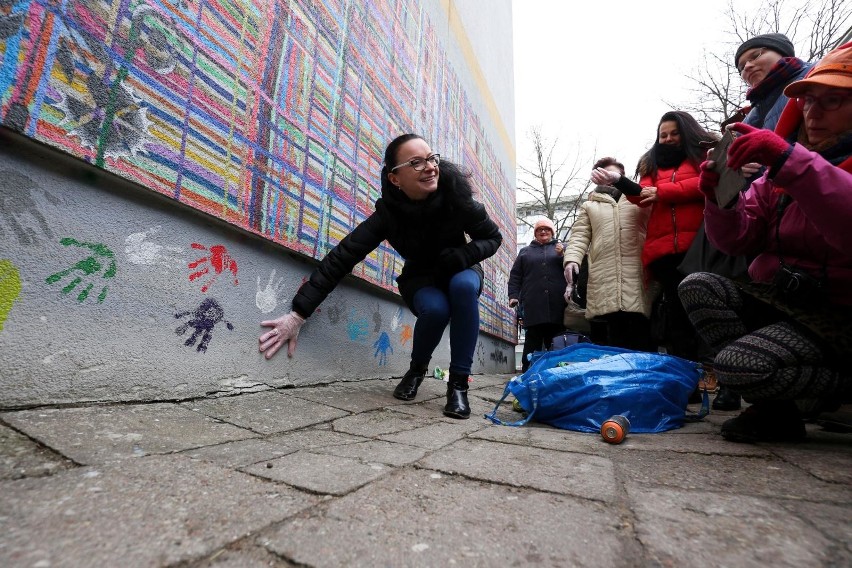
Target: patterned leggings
{"points": [[761, 353]]}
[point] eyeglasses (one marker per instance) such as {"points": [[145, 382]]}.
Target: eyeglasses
{"points": [[831, 101], [419, 164], [751, 59]]}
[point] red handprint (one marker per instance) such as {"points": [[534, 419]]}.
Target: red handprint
{"points": [[218, 258]]}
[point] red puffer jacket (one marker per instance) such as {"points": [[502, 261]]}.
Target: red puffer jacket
{"points": [[677, 213]]}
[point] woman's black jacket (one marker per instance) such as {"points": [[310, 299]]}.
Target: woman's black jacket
{"points": [[428, 234]]}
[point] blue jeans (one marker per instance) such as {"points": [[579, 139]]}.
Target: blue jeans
{"points": [[459, 306]]}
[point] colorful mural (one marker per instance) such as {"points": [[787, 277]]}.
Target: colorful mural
{"points": [[268, 114]]}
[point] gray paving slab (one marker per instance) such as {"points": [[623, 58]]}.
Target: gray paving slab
{"points": [[243, 554], [320, 473], [730, 474], [267, 412], [833, 522], [96, 434], [247, 452], [356, 396], [376, 451], [694, 528], [21, 457], [435, 435], [375, 423], [589, 477], [151, 511], [826, 456], [419, 518]]}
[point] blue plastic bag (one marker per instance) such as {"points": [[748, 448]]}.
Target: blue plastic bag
{"points": [[596, 382]]}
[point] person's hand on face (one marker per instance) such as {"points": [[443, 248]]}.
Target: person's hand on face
{"points": [[601, 176]]}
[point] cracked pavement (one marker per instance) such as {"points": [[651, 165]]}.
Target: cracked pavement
{"points": [[345, 475]]}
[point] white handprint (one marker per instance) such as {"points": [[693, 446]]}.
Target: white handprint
{"points": [[397, 318], [267, 298], [142, 251]]}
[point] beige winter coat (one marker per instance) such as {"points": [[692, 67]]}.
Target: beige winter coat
{"points": [[613, 234]]}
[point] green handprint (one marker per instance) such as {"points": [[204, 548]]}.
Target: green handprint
{"points": [[10, 287], [88, 267]]}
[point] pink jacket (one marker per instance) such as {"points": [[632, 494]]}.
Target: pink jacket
{"points": [[816, 227]]}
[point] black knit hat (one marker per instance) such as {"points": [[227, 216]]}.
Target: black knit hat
{"points": [[778, 43]]}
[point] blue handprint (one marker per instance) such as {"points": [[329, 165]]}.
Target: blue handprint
{"points": [[356, 327], [382, 345], [89, 267]]}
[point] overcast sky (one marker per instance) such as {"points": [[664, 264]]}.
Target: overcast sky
{"points": [[596, 73]]}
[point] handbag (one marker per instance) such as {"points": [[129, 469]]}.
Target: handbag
{"points": [[581, 386], [568, 338]]}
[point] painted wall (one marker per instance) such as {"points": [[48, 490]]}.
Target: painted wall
{"points": [[206, 145]]}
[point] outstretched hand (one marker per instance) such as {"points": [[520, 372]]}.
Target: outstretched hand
{"points": [[755, 145], [601, 176], [284, 330]]}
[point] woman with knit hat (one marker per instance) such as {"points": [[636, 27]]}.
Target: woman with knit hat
{"points": [[767, 63], [786, 336], [536, 282]]}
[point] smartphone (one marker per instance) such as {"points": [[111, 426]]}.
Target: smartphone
{"points": [[731, 182]]}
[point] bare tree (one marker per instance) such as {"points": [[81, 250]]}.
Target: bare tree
{"points": [[555, 186], [813, 26]]}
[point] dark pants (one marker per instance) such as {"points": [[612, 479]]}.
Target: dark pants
{"points": [[538, 338], [629, 330], [670, 324]]}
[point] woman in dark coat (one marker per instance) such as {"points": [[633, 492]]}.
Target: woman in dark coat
{"points": [[425, 213], [537, 283]]}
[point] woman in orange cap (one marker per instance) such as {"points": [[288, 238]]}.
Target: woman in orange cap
{"points": [[787, 336]]}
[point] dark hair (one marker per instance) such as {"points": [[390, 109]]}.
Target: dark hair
{"points": [[691, 133], [452, 180], [607, 162]]}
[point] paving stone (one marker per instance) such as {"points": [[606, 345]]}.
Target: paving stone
{"points": [[826, 456], [242, 453], [419, 518], [693, 528], [152, 511], [590, 477], [96, 434], [359, 396], [267, 412], [730, 474], [319, 473], [376, 451], [435, 435], [243, 554], [375, 423], [834, 523], [21, 457]]}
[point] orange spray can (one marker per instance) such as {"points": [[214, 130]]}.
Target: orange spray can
{"points": [[615, 429]]}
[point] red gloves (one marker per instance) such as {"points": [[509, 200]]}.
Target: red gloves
{"points": [[708, 179], [755, 145]]}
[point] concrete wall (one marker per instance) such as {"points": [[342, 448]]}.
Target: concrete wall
{"points": [[119, 281]]}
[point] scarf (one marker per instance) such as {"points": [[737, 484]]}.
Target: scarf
{"points": [[781, 74], [613, 192], [668, 155]]}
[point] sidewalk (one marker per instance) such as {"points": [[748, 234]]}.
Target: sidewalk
{"points": [[346, 475]]}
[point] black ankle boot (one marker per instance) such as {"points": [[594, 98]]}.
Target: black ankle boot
{"points": [[457, 406], [726, 399], [407, 387]]}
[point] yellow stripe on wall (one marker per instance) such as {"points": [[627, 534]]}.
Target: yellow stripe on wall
{"points": [[457, 29]]}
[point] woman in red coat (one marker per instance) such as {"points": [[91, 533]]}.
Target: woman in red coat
{"points": [[668, 177]]}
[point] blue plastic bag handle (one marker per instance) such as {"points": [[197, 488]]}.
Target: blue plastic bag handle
{"points": [[532, 384]]}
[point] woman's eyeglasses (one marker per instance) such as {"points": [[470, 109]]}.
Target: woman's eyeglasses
{"points": [[832, 101], [751, 59], [419, 164]]}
